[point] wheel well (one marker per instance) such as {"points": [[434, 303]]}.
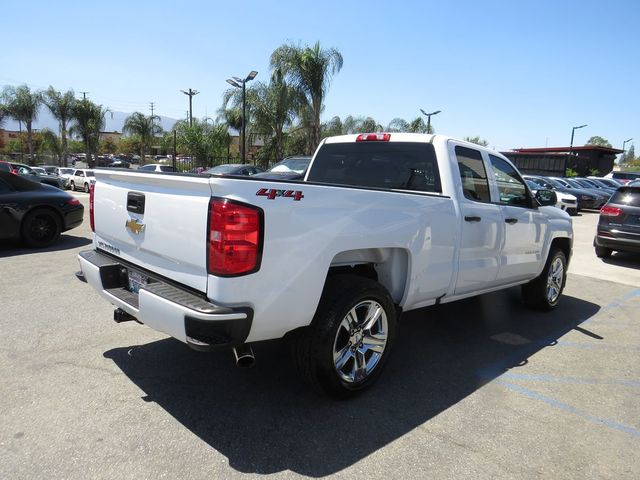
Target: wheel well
{"points": [[564, 244], [387, 266]]}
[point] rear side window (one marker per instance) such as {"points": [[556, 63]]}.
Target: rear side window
{"points": [[167, 169], [388, 165], [626, 196], [475, 185]]}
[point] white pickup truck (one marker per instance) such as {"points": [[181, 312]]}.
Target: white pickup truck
{"points": [[381, 223]]}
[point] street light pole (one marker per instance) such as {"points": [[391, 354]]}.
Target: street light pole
{"points": [[573, 131], [428, 115], [242, 84], [190, 93], [623, 145]]}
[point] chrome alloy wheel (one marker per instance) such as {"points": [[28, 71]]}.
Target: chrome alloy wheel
{"points": [[360, 341], [554, 280]]}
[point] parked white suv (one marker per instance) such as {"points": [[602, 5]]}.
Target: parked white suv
{"points": [[81, 179]]}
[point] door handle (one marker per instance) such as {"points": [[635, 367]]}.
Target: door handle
{"points": [[511, 221], [472, 219]]}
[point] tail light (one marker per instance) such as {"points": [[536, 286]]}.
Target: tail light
{"points": [[74, 202], [373, 137], [608, 211], [234, 238], [92, 189]]}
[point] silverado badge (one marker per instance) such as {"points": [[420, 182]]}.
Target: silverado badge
{"points": [[135, 227]]}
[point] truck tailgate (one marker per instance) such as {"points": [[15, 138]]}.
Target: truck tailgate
{"points": [[169, 214]]}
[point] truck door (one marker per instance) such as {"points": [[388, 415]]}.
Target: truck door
{"points": [[525, 226], [482, 226]]}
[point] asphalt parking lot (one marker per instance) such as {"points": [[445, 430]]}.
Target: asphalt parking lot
{"points": [[482, 388]]}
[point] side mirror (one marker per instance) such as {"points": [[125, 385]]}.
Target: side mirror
{"points": [[546, 197]]}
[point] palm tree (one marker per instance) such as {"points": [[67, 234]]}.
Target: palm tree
{"points": [[88, 121], [61, 107], [145, 128], [52, 143], [22, 105], [310, 70]]}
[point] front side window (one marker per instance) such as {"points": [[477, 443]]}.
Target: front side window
{"points": [[510, 186], [473, 175]]}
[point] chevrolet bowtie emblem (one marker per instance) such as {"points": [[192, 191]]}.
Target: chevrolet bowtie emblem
{"points": [[135, 227]]}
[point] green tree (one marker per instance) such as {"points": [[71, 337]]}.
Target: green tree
{"points": [[52, 144], [22, 105], [202, 140], [599, 142], [398, 125], [61, 106], [477, 140], [145, 128], [332, 128], [310, 70], [417, 125], [88, 121]]}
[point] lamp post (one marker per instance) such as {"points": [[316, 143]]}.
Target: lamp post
{"points": [[623, 145], [428, 115], [573, 131], [241, 83], [190, 94]]}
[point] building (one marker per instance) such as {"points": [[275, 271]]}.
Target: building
{"points": [[554, 161], [112, 136]]}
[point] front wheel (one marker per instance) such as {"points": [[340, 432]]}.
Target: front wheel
{"points": [[543, 292], [343, 351]]}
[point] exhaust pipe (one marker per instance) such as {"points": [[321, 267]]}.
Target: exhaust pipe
{"points": [[244, 356]]}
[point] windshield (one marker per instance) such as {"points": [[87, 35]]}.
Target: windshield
{"points": [[222, 169], [298, 165]]}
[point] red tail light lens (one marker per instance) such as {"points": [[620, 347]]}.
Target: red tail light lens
{"points": [[373, 137], [73, 202], [235, 238], [608, 211], [92, 189]]}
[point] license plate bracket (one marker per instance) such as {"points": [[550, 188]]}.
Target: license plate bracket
{"points": [[136, 280]]}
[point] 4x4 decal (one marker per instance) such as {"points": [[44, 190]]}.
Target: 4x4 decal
{"points": [[272, 193]]}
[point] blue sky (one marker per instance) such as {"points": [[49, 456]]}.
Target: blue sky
{"points": [[516, 73]]}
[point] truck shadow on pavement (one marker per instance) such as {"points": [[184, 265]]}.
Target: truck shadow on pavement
{"points": [[624, 259], [264, 420], [65, 242]]}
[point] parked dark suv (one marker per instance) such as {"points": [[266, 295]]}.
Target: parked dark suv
{"points": [[619, 224]]}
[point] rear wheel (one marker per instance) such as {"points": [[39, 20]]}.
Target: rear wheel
{"points": [[41, 228], [543, 293], [86, 188], [603, 252], [343, 351]]}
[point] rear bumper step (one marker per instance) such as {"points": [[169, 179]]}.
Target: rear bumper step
{"points": [[163, 306]]}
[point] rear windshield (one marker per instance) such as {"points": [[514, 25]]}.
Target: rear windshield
{"points": [[626, 196], [388, 165], [626, 175]]}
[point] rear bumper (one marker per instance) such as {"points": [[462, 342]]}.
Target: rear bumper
{"points": [[177, 311], [617, 244]]}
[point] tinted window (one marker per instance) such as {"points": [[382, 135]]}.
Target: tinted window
{"points": [[510, 186], [389, 165], [475, 185], [5, 167], [20, 184], [221, 169], [90, 173], [147, 168], [165, 168], [626, 196]]}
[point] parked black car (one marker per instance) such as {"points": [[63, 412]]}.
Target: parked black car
{"points": [[34, 212], [28, 172], [619, 224]]}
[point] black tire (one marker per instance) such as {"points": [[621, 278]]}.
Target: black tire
{"points": [[41, 228], [72, 186], [313, 347], [86, 188], [543, 292], [603, 252]]}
